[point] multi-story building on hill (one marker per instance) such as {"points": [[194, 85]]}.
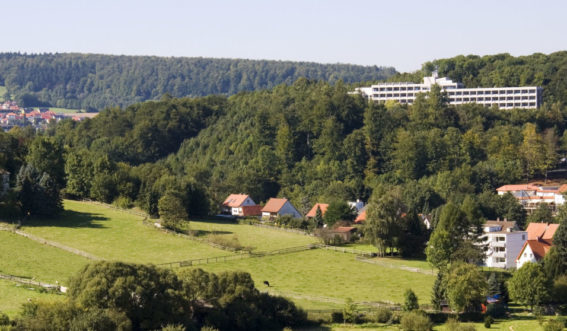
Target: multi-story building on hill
{"points": [[531, 194], [503, 241], [526, 97]]}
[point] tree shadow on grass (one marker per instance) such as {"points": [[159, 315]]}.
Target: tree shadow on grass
{"points": [[69, 219], [203, 233]]}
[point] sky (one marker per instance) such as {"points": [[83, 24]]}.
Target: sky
{"points": [[399, 33]]}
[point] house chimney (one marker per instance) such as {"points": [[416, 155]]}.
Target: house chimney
{"points": [[497, 219], [505, 219]]}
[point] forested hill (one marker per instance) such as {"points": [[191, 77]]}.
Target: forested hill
{"points": [[98, 81]]}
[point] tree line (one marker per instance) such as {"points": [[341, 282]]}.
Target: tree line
{"points": [[120, 296], [94, 81]]}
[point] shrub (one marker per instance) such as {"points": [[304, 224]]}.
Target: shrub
{"points": [[416, 321], [382, 315], [229, 242], [559, 292], [396, 317], [410, 302], [488, 320], [496, 310], [350, 313], [123, 202], [337, 317], [4, 319], [553, 325], [454, 325]]}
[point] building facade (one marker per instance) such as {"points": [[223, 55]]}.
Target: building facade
{"points": [[503, 241], [531, 194], [526, 97]]}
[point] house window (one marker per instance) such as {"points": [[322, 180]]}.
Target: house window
{"points": [[500, 238], [500, 260], [523, 237]]}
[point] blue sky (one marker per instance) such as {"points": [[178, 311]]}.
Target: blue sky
{"points": [[403, 34]]}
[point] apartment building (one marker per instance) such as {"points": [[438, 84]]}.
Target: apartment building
{"points": [[526, 97]]}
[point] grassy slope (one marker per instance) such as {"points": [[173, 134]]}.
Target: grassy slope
{"points": [[317, 274], [23, 257], [116, 235], [13, 295], [2, 92], [261, 239]]}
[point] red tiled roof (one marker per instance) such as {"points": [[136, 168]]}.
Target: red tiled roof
{"points": [[361, 217], [235, 200], [517, 187], [539, 248], [549, 232], [255, 210], [541, 231], [274, 205], [313, 211]]}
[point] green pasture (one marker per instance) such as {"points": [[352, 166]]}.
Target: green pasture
{"points": [[321, 278], [117, 235], [13, 295], [20, 256], [260, 239], [63, 110]]}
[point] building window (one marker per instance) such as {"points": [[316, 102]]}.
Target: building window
{"points": [[523, 237], [500, 238]]}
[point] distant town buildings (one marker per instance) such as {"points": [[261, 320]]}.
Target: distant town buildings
{"points": [[13, 115], [525, 97]]}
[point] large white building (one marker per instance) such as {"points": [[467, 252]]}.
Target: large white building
{"points": [[527, 97], [503, 241], [531, 194]]}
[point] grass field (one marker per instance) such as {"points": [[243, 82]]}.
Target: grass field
{"points": [[260, 239], [13, 295], [321, 278], [116, 235], [62, 110], [23, 257]]}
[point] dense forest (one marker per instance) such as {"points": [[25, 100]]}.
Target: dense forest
{"points": [[90, 81], [309, 141]]}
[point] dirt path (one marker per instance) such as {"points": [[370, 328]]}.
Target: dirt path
{"points": [[51, 243]]}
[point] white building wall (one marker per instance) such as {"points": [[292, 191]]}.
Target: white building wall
{"points": [[503, 254], [527, 256], [527, 97]]}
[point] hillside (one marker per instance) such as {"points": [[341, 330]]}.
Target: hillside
{"points": [[96, 81]]}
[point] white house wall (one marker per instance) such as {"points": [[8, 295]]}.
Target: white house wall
{"points": [[527, 256]]}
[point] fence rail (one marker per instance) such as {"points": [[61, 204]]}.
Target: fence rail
{"points": [[32, 282], [208, 260]]}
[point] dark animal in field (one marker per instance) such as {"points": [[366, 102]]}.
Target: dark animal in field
{"points": [[267, 283]]}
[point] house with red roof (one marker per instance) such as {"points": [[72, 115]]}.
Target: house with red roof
{"points": [[540, 240], [233, 204], [278, 207], [313, 212], [531, 194], [361, 218], [343, 232]]}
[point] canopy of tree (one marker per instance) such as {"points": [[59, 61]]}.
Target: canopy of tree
{"points": [[85, 81]]}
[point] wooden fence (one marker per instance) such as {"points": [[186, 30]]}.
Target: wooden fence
{"points": [[226, 258], [32, 282]]}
